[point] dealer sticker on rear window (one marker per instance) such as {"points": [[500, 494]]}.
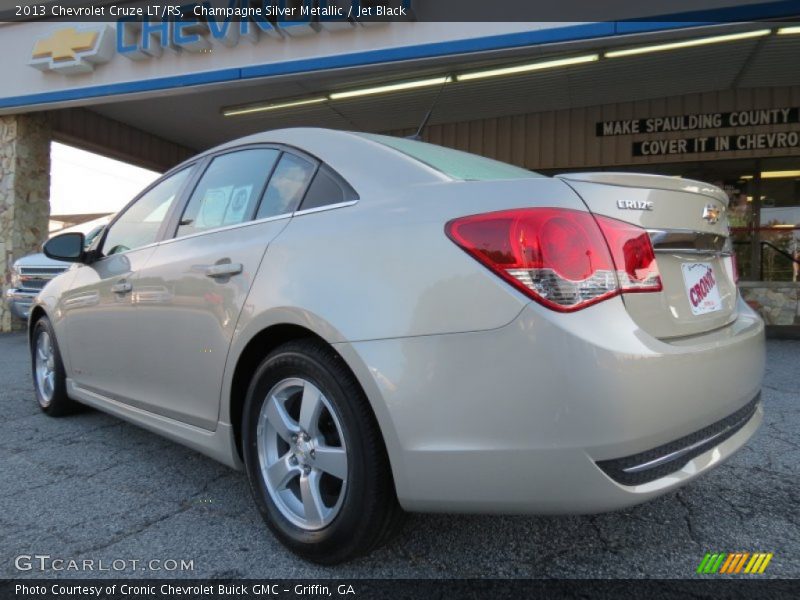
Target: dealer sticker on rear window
{"points": [[701, 287]]}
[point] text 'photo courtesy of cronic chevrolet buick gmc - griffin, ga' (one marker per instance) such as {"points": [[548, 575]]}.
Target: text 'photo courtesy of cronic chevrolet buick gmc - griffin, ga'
{"points": [[369, 325]]}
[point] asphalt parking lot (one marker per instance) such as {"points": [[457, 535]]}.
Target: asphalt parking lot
{"points": [[92, 487]]}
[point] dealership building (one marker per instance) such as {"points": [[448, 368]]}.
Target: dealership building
{"points": [[714, 101]]}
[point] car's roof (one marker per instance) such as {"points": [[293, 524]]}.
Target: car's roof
{"points": [[290, 135], [347, 153]]}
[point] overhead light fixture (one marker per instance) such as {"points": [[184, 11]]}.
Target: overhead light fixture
{"points": [[717, 39], [392, 87], [256, 108], [537, 66], [779, 174], [789, 30], [746, 177]]}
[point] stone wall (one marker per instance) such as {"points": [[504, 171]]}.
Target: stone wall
{"points": [[24, 195], [777, 302]]}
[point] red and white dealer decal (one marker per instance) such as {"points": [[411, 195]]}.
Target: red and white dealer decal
{"points": [[701, 287]]}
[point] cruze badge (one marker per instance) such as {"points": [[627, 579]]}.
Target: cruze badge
{"points": [[711, 213], [634, 205]]}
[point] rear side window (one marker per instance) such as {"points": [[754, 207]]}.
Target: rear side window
{"points": [[228, 192], [454, 163], [286, 186], [327, 189]]}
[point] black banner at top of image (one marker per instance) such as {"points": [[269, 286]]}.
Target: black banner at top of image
{"points": [[694, 11]]}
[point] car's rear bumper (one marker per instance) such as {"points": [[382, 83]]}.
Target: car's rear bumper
{"points": [[517, 419], [20, 302]]}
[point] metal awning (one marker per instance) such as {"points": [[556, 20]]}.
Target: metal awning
{"points": [[193, 116]]}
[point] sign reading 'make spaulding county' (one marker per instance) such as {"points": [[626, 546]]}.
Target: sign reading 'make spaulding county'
{"points": [[717, 120]]}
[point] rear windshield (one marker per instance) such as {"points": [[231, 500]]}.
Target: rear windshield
{"points": [[453, 163]]}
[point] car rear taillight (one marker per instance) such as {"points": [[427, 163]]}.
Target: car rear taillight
{"points": [[564, 259], [729, 260], [633, 256]]}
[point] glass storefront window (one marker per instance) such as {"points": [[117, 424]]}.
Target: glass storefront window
{"points": [[741, 214], [779, 233]]}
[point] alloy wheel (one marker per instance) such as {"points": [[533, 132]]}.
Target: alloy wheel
{"points": [[302, 453], [45, 368]]}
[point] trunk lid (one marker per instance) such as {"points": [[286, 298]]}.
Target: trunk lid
{"points": [[688, 225]]}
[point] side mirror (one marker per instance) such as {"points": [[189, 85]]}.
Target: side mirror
{"points": [[67, 247]]}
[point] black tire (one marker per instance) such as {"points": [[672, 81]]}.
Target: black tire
{"points": [[58, 404], [369, 513]]}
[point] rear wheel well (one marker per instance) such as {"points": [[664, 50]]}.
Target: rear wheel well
{"points": [[256, 351]]}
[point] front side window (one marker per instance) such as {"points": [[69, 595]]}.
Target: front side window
{"points": [[286, 186], [228, 192], [139, 225]]}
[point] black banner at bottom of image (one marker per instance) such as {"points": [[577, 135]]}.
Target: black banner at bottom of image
{"points": [[427, 589]]}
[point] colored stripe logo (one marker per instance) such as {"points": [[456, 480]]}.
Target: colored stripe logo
{"points": [[734, 562]]}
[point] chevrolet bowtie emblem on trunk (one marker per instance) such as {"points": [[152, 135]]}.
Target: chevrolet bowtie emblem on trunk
{"points": [[711, 213], [70, 50]]}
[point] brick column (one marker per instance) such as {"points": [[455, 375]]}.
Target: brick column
{"points": [[24, 196]]}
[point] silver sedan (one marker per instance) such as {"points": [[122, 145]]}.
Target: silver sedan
{"points": [[369, 325]]}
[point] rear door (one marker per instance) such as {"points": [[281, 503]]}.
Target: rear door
{"points": [[688, 225], [192, 290]]}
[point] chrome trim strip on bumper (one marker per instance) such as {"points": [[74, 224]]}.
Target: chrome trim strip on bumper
{"points": [[678, 453], [687, 241], [655, 463]]}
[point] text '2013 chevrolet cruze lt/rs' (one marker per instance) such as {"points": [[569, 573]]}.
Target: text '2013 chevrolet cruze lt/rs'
{"points": [[369, 325]]}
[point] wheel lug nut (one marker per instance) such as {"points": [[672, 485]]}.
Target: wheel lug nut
{"points": [[306, 469], [313, 454], [293, 460]]}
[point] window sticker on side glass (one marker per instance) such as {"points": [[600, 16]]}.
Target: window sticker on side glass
{"points": [[240, 201]]}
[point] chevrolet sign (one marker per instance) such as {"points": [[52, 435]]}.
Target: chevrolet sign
{"points": [[73, 50]]}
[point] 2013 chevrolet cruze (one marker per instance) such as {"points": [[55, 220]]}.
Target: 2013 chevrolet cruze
{"points": [[368, 324]]}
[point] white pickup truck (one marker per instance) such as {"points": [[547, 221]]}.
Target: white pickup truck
{"points": [[31, 273]]}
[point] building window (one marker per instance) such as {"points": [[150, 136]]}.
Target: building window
{"points": [[779, 217]]}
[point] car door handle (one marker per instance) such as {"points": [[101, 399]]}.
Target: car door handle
{"points": [[224, 270], [123, 287]]}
